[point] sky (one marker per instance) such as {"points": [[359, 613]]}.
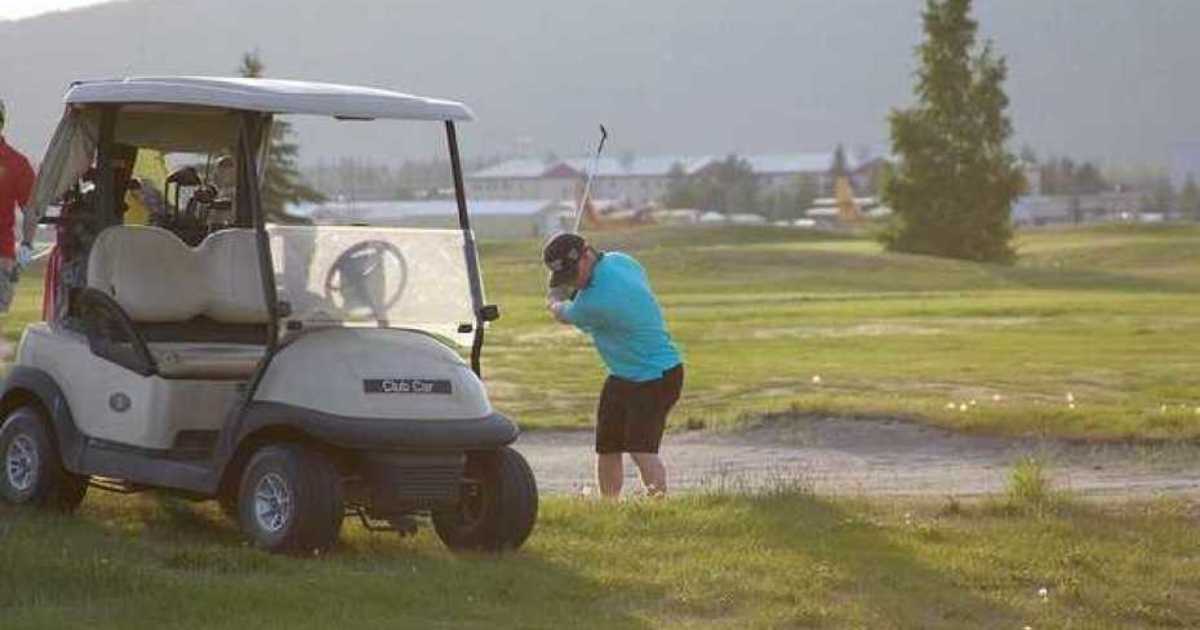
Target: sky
{"points": [[1105, 80], [17, 9]]}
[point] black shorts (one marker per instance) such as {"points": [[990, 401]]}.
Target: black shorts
{"points": [[631, 416]]}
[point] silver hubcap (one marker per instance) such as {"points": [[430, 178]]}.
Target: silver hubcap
{"points": [[21, 463], [272, 503]]}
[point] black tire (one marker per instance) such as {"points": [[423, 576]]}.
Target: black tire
{"points": [[32, 471], [498, 508], [311, 485]]}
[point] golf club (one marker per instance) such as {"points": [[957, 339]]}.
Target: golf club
{"points": [[564, 293], [593, 166]]}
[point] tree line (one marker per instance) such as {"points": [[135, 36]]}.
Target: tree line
{"points": [[731, 186]]}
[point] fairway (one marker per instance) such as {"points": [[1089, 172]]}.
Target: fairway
{"points": [[1089, 335]]}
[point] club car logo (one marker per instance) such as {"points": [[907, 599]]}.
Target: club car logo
{"points": [[406, 386], [119, 402]]}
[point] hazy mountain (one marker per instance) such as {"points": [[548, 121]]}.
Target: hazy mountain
{"points": [[1109, 79]]}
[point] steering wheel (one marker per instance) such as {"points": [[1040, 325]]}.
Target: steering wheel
{"points": [[358, 282]]}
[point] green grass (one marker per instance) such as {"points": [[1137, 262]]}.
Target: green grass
{"points": [[1106, 315], [782, 559]]}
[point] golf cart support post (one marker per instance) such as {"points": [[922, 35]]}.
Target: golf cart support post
{"points": [[483, 313]]}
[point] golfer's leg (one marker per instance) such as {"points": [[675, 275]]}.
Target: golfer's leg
{"points": [[610, 472], [610, 440], [653, 472]]}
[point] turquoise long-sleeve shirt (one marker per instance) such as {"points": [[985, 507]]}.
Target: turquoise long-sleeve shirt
{"points": [[618, 309]]}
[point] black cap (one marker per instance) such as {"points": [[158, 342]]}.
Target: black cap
{"points": [[562, 255]]}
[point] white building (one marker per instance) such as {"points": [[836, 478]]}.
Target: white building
{"points": [[1033, 210], [641, 180]]}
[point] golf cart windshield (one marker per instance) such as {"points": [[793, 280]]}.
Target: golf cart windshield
{"points": [[215, 137], [367, 276]]}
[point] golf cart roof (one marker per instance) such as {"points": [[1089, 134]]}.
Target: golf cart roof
{"points": [[276, 96]]}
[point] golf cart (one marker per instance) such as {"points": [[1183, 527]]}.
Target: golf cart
{"points": [[294, 373]]}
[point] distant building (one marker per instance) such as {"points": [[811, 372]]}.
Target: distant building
{"points": [[641, 180], [1033, 210], [1185, 162], [522, 218]]}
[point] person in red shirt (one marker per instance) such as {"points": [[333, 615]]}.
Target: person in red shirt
{"points": [[16, 184]]}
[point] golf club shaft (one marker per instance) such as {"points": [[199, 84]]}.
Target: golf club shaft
{"points": [[587, 185]]}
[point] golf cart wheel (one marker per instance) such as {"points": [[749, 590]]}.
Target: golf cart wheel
{"points": [[498, 506], [32, 469], [290, 500]]}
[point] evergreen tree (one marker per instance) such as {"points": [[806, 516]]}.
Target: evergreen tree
{"points": [[839, 167], [953, 189], [1189, 198], [282, 182], [680, 191], [1162, 198], [727, 186]]}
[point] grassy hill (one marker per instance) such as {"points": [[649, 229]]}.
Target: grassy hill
{"points": [[1090, 334]]}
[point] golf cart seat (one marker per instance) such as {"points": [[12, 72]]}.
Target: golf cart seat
{"points": [[186, 313]]}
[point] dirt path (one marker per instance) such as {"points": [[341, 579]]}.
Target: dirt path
{"points": [[874, 457]]}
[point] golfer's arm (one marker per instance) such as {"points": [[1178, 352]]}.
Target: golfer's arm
{"points": [[29, 223], [29, 218]]}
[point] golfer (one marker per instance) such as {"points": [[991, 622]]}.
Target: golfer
{"points": [[16, 184], [615, 305]]}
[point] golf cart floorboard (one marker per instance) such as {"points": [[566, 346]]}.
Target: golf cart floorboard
{"points": [[144, 466]]}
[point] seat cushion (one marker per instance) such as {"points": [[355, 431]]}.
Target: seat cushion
{"points": [[234, 284], [153, 275], [212, 361], [157, 278]]}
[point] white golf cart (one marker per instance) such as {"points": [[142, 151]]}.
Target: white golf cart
{"points": [[295, 373]]}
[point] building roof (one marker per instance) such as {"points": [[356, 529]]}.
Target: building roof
{"points": [[790, 162], [660, 165], [607, 167], [368, 210], [514, 168], [638, 166], [268, 95]]}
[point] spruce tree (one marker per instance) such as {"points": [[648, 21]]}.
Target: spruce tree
{"points": [[1189, 198], [955, 183], [282, 182]]}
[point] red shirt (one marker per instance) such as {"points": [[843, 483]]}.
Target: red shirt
{"points": [[16, 184]]}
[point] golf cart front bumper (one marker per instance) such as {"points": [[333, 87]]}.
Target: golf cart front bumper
{"points": [[376, 434]]}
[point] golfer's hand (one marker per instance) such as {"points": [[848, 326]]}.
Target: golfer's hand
{"points": [[557, 309], [24, 254]]}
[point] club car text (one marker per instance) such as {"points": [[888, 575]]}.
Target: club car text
{"points": [[406, 386]]}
